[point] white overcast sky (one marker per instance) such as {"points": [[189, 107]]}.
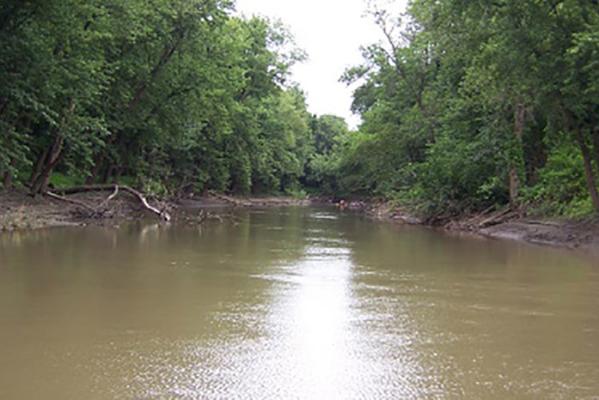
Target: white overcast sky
{"points": [[331, 32]]}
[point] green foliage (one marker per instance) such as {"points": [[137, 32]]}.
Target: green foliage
{"points": [[61, 180], [297, 193], [464, 104], [178, 95], [561, 188], [154, 188], [473, 104], [330, 136]]}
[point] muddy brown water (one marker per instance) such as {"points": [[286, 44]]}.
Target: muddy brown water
{"points": [[293, 303]]}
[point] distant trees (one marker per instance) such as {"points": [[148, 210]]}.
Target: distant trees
{"points": [[328, 133]]}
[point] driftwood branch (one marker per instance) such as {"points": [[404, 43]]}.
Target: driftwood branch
{"points": [[498, 218], [115, 188], [70, 201], [109, 198], [161, 213]]}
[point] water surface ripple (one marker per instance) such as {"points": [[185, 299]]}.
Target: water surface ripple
{"points": [[293, 303]]}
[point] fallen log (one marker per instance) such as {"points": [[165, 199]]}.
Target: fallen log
{"points": [[115, 188]]}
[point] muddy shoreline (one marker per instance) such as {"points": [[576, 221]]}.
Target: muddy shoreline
{"points": [[553, 232], [19, 211]]}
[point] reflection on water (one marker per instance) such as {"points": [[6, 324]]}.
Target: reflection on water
{"points": [[293, 303]]}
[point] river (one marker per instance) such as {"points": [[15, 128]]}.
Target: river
{"points": [[293, 303]]}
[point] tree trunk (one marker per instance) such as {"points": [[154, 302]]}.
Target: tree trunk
{"points": [[519, 121], [165, 57], [107, 174], [98, 161], [6, 173], [118, 171], [535, 153], [7, 180], [100, 158], [514, 186], [37, 168], [40, 183], [588, 168]]}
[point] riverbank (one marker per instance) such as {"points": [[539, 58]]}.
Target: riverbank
{"points": [[498, 224], [19, 211]]}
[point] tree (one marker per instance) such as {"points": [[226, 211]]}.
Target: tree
{"points": [[464, 100]]}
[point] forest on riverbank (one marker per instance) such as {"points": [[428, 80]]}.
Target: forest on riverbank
{"points": [[471, 104], [166, 95], [465, 105]]}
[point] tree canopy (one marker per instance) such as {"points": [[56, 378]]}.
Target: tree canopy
{"points": [[464, 105], [174, 95], [470, 104]]}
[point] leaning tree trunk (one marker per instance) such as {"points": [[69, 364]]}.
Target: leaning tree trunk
{"points": [[588, 168], [39, 164], [41, 177], [39, 184]]}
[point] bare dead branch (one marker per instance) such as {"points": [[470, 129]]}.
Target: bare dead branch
{"points": [[94, 188], [70, 201]]}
